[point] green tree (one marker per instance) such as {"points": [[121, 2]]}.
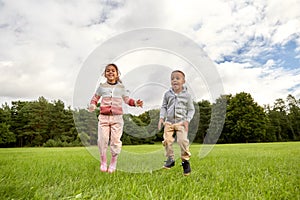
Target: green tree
{"points": [[217, 120], [270, 130], [278, 121], [36, 122], [203, 117], [6, 136], [293, 117], [61, 126], [5, 114], [36, 128], [86, 126], [135, 128], [245, 119], [18, 121]]}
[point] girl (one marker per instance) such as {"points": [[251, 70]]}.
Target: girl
{"points": [[110, 126]]}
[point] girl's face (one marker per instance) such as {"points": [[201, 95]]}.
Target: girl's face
{"points": [[111, 74], [177, 81]]}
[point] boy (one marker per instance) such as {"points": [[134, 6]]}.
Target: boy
{"points": [[175, 114]]}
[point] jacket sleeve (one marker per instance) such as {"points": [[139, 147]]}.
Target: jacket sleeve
{"points": [[95, 99], [163, 109], [127, 99], [190, 109], [96, 96]]}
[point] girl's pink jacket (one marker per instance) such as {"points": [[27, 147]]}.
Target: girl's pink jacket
{"points": [[112, 97]]}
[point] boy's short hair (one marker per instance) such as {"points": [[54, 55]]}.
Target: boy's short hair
{"points": [[181, 72]]}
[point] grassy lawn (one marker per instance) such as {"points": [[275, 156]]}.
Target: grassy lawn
{"points": [[232, 171]]}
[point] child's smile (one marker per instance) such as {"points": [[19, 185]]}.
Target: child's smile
{"points": [[111, 74]]}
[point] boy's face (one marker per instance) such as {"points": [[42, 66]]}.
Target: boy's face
{"points": [[177, 81]]}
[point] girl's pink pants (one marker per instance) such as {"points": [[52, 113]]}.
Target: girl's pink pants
{"points": [[110, 129]]}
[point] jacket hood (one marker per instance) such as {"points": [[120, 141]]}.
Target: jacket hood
{"points": [[183, 90]]}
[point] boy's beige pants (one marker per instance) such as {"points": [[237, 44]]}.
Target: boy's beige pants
{"points": [[110, 129], [182, 140]]}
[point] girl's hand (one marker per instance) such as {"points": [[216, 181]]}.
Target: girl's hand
{"points": [[160, 122], [92, 107], [139, 103]]}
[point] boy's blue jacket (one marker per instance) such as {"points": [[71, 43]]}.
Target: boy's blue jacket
{"points": [[177, 107]]}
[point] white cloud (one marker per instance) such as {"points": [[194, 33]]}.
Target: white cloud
{"points": [[44, 43], [265, 83], [139, 13]]}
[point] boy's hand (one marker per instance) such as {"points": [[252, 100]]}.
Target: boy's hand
{"points": [[160, 122], [139, 103], [92, 107], [186, 126]]}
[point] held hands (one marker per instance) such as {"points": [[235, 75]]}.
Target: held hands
{"points": [[139, 103], [92, 107]]}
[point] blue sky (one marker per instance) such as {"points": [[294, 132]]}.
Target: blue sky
{"points": [[255, 45], [285, 55]]}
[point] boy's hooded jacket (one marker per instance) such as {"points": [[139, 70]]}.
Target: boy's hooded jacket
{"points": [[177, 107]]}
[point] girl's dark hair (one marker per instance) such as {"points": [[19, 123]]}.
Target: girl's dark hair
{"points": [[117, 69]]}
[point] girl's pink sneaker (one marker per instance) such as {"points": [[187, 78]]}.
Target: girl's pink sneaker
{"points": [[113, 164], [103, 166]]}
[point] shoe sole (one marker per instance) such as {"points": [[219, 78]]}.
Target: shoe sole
{"points": [[187, 174], [111, 170], [103, 169], [165, 167]]}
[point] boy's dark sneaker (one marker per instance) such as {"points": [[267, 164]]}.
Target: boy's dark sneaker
{"points": [[186, 167], [169, 163]]}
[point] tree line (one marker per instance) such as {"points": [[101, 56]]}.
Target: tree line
{"points": [[236, 118]]}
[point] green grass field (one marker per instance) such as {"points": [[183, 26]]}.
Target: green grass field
{"points": [[233, 171]]}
